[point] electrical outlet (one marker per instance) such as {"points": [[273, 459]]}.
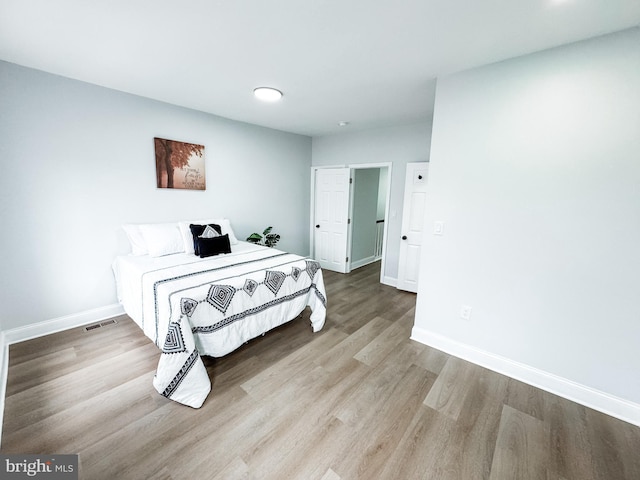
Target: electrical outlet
{"points": [[465, 312]]}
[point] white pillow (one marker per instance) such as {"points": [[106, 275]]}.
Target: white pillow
{"points": [[138, 245], [187, 236], [162, 239]]}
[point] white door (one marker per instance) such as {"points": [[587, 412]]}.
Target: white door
{"points": [[413, 211], [331, 218]]}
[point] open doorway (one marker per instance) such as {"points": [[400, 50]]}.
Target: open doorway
{"points": [[368, 215], [349, 231]]}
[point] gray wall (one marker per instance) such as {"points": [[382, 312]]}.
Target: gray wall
{"points": [[535, 171], [382, 193], [78, 161], [398, 145]]}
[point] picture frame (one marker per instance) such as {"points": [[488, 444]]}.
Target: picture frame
{"points": [[179, 165]]}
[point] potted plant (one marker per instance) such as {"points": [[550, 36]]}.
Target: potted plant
{"points": [[267, 238]]}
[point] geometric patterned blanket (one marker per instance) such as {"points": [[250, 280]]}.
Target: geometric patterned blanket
{"points": [[212, 308]]}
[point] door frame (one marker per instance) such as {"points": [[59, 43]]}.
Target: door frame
{"points": [[355, 166]]}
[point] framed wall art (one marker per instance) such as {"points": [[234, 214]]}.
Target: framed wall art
{"points": [[179, 165]]}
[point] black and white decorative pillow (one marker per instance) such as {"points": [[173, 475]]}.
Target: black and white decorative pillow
{"points": [[198, 230], [209, 232]]}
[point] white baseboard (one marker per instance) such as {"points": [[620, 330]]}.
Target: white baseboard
{"points": [[587, 396], [392, 282], [35, 330], [20, 334], [362, 262]]}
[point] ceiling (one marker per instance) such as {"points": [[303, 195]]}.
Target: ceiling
{"points": [[372, 63]]}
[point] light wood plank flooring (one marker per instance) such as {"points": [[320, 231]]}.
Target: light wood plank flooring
{"points": [[358, 400]]}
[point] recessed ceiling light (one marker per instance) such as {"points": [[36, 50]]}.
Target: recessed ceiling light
{"points": [[343, 124], [267, 94]]}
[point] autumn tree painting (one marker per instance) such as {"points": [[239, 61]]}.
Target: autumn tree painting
{"points": [[179, 164]]}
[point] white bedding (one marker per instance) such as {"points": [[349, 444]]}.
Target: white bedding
{"points": [[191, 306]]}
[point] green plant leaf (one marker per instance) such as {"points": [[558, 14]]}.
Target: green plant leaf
{"points": [[271, 239]]}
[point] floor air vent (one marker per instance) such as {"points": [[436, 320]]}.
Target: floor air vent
{"points": [[98, 325]]}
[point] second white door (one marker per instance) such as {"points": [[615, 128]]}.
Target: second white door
{"points": [[331, 217], [413, 213]]}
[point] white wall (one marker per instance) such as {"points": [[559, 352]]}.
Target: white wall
{"points": [[535, 170], [399, 145], [78, 161]]}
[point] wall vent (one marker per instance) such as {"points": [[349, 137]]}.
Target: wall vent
{"points": [[88, 328]]}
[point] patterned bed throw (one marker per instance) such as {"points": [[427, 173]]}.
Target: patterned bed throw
{"points": [[213, 307]]}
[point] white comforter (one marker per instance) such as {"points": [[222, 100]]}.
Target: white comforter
{"points": [[191, 306]]}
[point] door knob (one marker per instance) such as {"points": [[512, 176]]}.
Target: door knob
{"points": [[404, 237], [419, 177], [317, 226]]}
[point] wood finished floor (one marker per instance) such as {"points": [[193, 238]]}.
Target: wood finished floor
{"points": [[358, 400]]}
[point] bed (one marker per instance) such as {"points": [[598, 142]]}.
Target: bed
{"points": [[192, 305]]}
